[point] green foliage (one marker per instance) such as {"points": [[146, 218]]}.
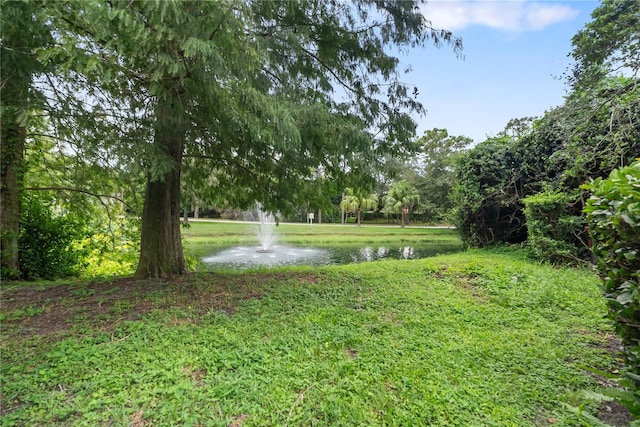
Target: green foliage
{"points": [[110, 246], [591, 134], [95, 195], [355, 201], [553, 233], [477, 338], [613, 213], [596, 130], [487, 194], [45, 241], [607, 44], [603, 132], [401, 199], [257, 82], [432, 172]]}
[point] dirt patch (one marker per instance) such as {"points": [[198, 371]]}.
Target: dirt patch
{"points": [[351, 353], [615, 414], [612, 343], [137, 419], [238, 421], [612, 412], [195, 374], [476, 293], [541, 418], [51, 310]]}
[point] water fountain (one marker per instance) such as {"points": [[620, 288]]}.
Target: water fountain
{"points": [[266, 228], [268, 253]]}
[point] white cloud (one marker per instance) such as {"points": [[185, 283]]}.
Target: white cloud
{"points": [[509, 16]]}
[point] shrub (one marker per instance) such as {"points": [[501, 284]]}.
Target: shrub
{"points": [[553, 233], [486, 195], [613, 213], [45, 243], [110, 245]]}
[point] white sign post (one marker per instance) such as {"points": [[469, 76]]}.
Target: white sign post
{"points": [[310, 217]]}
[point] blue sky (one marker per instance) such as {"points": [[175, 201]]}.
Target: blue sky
{"points": [[515, 56]]}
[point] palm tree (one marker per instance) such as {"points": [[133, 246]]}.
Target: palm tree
{"points": [[401, 199], [351, 202]]}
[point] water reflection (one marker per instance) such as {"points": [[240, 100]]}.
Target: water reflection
{"points": [[246, 256]]}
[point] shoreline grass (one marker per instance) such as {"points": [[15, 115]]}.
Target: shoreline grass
{"points": [[473, 338]]}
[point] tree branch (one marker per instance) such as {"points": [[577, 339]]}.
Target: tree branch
{"points": [[78, 190], [331, 71]]}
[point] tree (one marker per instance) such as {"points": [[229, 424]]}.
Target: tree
{"points": [[517, 128], [591, 134], [402, 198], [354, 202], [21, 34], [609, 44], [434, 171], [596, 130], [247, 88]]}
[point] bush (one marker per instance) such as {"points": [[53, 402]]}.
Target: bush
{"points": [[45, 243], [487, 195], [613, 214], [110, 245], [553, 233]]}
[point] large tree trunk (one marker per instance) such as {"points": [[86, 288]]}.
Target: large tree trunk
{"points": [[15, 74], [11, 173], [160, 245]]}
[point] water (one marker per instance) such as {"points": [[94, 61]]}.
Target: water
{"points": [[243, 257], [273, 255], [266, 230]]}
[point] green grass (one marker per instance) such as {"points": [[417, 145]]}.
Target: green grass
{"points": [[243, 233], [470, 339]]}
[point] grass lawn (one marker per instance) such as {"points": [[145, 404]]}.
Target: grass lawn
{"points": [[471, 339], [244, 233]]}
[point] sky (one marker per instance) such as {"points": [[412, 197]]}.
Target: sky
{"points": [[515, 55]]}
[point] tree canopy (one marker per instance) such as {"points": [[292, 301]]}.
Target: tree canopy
{"points": [[402, 198], [356, 201], [254, 96], [433, 172], [609, 44]]}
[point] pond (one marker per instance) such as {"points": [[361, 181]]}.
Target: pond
{"points": [[247, 256]]}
